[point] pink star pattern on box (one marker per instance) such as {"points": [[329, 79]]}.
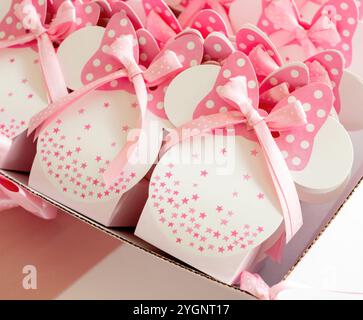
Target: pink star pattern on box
{"points": [[180, 216], [65, 157]]}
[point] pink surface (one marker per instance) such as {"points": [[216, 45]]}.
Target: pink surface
{"points": [[62, 251]]}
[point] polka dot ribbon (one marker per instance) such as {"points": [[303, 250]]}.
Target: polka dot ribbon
{"points": [[285, 118], [322, 33]]}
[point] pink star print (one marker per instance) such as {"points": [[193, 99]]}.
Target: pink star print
{"points": [[216, 234], [168, 175], [204, 173], [254, 152], [219, 209], [185, 200], [195, 197], [246, 177], [87, 127], [224, 222], [234, 233], [261, 196]]}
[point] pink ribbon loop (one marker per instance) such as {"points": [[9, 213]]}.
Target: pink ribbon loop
{"points": [[163, 67], [323, 33], [195, 6], [263, 63], [285, 118], [271, 97]]}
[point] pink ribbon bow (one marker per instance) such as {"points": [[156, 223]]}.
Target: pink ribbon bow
{"points": [[195, 6], [285, 118], [323, 33], [11, 196], [61, 26], [163, 67]]}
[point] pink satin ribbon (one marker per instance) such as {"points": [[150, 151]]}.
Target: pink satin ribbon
{"points": [[195, 6], [262, 62], [256, 286], [159, 28], [162, 68], [60, 27], [285, 118], [323, 33], [12, 195], [271, 97], [318, 73]]}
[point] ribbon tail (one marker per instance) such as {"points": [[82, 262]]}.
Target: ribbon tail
{"points": [[133, 150], [187, 16], [51, 69], [282, 180]]}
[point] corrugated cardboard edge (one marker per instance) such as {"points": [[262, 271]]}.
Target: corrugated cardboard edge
{"points": [[112, 233]]}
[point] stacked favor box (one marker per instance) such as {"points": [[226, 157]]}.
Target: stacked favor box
{"points": [[226, 135]]}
